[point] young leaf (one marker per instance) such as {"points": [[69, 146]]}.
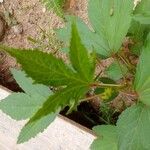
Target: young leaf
{"points": [[142, 12], [106, 94], [55, 5], [116, 71], [31, 130], [142, 78], [107, 138], [111, 20], [23, 105], [42, 67], [138, 33], [79, 57], [133, 128]]}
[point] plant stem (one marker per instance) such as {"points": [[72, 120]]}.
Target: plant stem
{"points": [[90, 98], [107, 85], [98, 76], [102, 119], [126, 62]]}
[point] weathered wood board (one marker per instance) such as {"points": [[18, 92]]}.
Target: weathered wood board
{"points": [[62, 134]]}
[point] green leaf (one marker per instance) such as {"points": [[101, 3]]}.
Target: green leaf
{"points": [[142, 12], [77, 88], [23, 105], [142, 78], [32, 129], [140, 26], [55, 5], [73, 92], [80, 58], [116, 70], [111, 20], [44, 68], [142, 7], [133, 128], [138, 33], [107, 138]]}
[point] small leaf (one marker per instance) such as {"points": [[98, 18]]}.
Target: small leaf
{"points": [[107, 94], [32, 129], [142, 78], [111, 20], [133, 128], [116, 70], [107, 138]]}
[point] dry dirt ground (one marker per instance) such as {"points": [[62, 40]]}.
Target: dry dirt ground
{"points": [[26, 17]]}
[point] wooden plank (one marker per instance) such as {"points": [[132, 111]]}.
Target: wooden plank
{"points": [[62, 134]]}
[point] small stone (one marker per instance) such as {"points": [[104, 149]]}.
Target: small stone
{"points": [[44, 10], [18, 29]]}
